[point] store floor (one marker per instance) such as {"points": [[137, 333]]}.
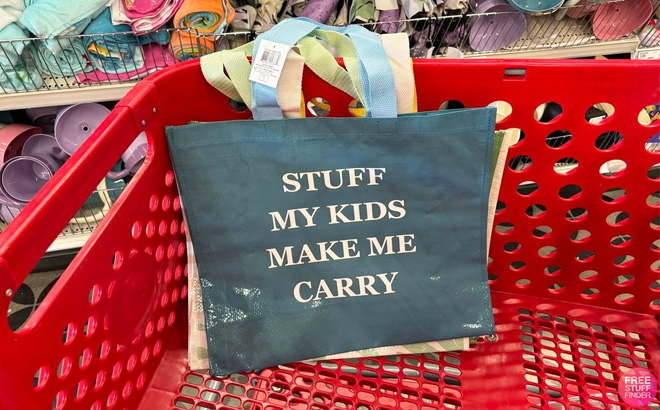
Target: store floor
{"points": [[30, 295]]}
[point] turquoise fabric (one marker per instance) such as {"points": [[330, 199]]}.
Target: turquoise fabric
{"points": [[49, 18], [70, 61], [115, 49], [17, 69]]}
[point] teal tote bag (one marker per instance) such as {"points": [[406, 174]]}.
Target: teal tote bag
{"points": [[318, 236]]}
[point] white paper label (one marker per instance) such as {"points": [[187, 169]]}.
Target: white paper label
{"points": [[268, 63], [648, 54]]}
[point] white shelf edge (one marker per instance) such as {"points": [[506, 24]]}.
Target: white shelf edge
{"points": [[581, 50], [69, 242], [47, 98]]}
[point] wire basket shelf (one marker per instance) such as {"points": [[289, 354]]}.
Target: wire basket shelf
{"points": [[649, 36], [85, 221], [502, 32], [68, 62]]}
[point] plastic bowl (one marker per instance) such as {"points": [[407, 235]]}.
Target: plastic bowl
{"points": [[536, 6]]}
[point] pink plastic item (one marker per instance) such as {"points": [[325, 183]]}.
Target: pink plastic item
{"points": [[615, 20]]}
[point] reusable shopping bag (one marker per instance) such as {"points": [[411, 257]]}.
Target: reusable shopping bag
{"points": [[289, 94], [327, 235]]}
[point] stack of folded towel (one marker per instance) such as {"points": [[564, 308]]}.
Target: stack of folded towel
{"points": [[187, 46], [71, 60], [112, 46], [17, 70], [10, 11], [155, 57], [114, 49], [51, 18], [205, 16], [144, 14]]}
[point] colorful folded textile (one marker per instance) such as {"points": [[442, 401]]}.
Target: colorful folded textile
{"points": [[144, 7], [342, 14], [119, 52], [10, 52], [293, 8], [17, 69], [22, 77], [362, 11], [50, 18], [10, 11], [268, 14], [141, 16], [319, 10], [156, 57], [461, 5], [187, 46], [70, 61], [244, 18], [205, 16], [418, 8]]}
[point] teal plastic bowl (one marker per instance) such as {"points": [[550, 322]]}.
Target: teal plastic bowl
{"points": [[536, 6]]}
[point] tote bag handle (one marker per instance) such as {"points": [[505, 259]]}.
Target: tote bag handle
{"points": [[235, 84], [377, 80]]}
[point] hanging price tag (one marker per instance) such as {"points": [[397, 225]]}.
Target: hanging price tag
{"points": [[268, 63]]}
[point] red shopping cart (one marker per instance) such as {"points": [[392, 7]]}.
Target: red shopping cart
{"points": [[575, 260]]}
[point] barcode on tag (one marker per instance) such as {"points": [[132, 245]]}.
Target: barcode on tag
{"points": [[271, 57], [268, 63]]}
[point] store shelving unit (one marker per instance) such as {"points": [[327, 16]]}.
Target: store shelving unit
{"points": [[48, 98], [546, 37], [586, 49]]}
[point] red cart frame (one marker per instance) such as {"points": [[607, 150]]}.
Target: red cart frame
{"points": [[573, 310]]}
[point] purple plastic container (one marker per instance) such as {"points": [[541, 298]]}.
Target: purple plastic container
{"points": [[8, 209], [495, 31], [75, 123], [22, 177]]}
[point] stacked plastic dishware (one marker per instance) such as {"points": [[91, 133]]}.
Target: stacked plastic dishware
{"points": [[29, 157], [498, 25]]}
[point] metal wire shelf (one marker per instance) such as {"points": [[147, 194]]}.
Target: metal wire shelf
{"points": [[649, 35], [87, 219], [567, 26], [86, 60]]}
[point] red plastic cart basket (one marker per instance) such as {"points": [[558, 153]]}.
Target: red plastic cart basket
{"points": [[575, 264]]}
